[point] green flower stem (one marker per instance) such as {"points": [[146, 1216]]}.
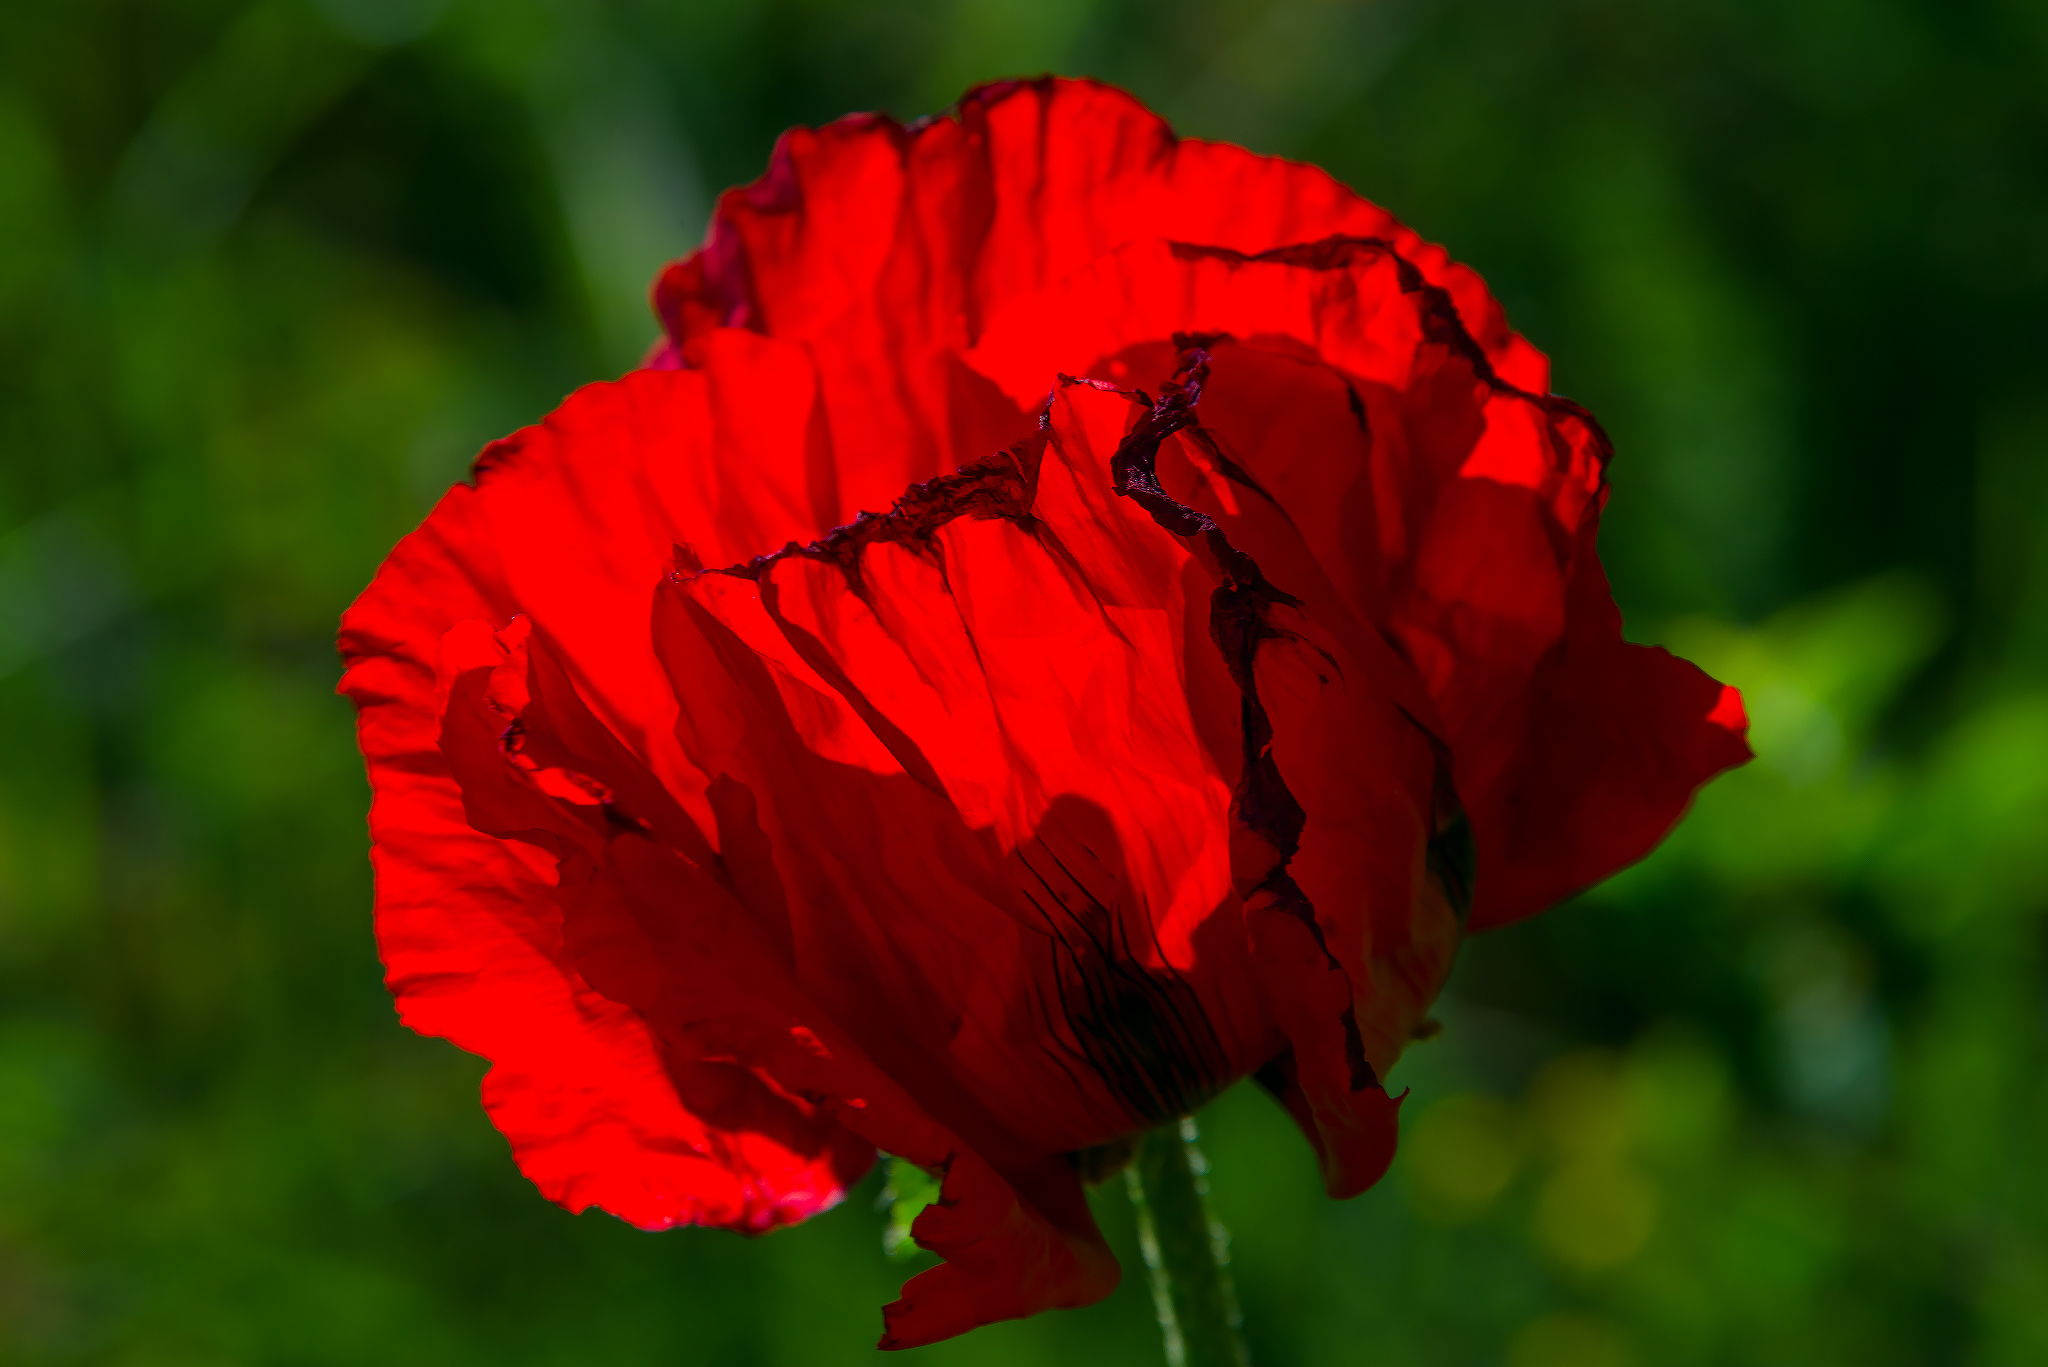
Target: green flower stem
{"points": [[1187, 1254]]}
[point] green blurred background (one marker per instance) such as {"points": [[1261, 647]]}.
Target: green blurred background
{"points": [[271, 272]]}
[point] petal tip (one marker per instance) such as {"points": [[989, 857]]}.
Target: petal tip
{"points": [[1728, 711]]}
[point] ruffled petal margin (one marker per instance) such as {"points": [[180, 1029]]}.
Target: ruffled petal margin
{"points": [[470, 933], [949, 219]]}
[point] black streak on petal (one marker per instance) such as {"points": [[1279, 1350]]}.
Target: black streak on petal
{"points": [[1142, 1031]]}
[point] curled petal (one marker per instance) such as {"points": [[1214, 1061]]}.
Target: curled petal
{"points": [[1360, 444], [596, 1110], [668, 937]]}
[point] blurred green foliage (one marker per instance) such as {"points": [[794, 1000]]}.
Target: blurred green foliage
{"points": [[271, 272]]}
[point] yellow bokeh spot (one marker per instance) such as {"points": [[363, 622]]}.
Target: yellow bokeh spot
{"points": [[1595, 1214], [1461, 1155], [1582, 1102], [1569, 1338]]}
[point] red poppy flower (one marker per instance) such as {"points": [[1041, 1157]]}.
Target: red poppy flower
{"points": [[1142, 744]]}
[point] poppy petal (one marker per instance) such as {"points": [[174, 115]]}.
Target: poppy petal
{"points": [[1048, 604], [1358, 443], [687, 941], [1021, 185], [595, 1112]]}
